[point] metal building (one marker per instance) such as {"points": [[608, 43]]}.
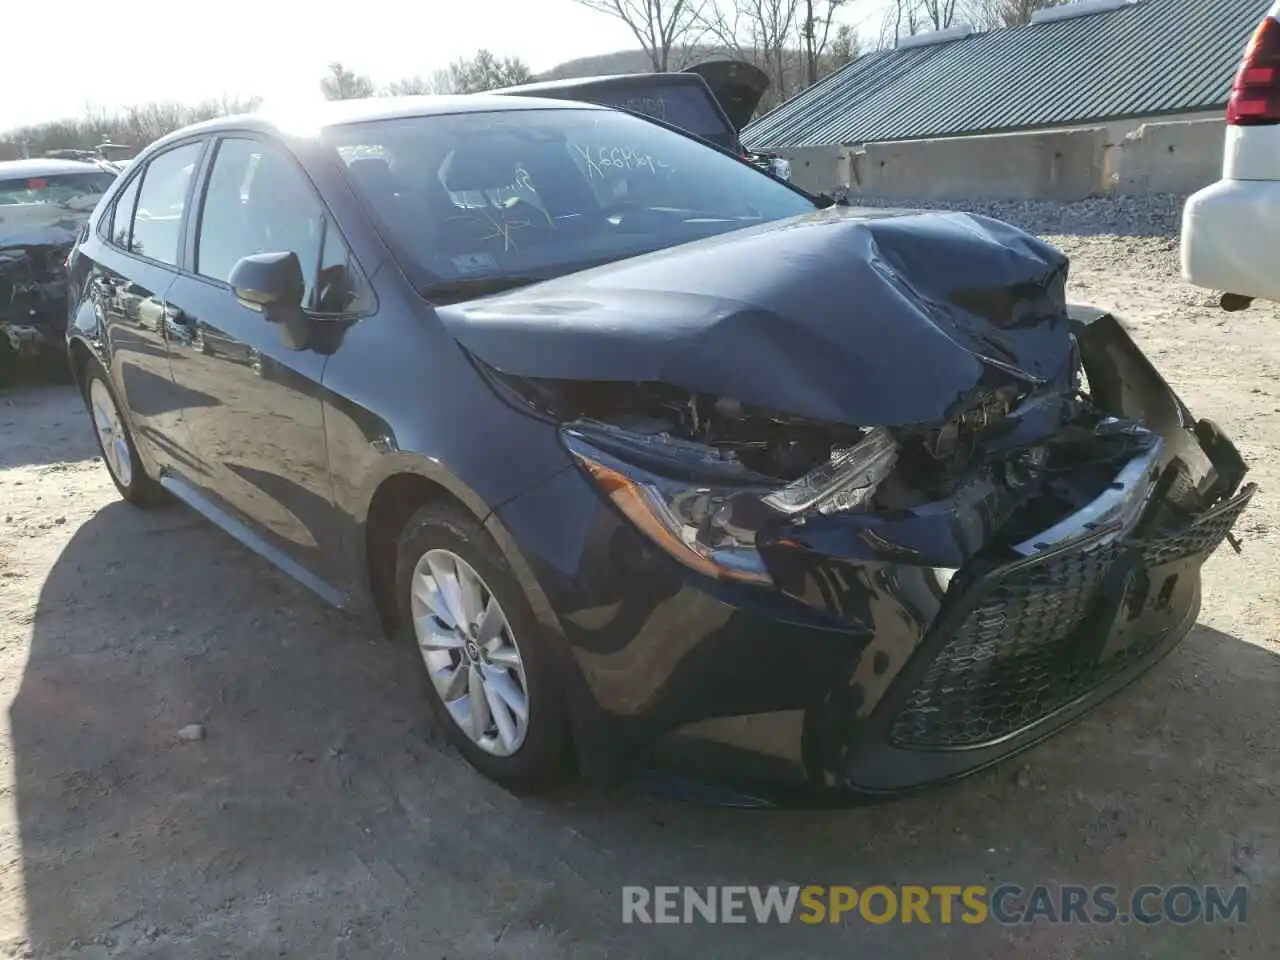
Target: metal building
{"points": [[1118, 62]]}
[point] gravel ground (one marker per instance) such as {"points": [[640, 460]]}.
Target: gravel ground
{"points": [[1158, 216], [316, 813]]}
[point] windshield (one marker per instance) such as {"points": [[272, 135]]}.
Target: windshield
{"points": [[538, 193], [66, 189]]}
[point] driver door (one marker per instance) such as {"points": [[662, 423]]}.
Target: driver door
{"points": [[261, 447]]}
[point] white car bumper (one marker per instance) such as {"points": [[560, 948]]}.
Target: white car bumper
{"points": [[1231, 238]]}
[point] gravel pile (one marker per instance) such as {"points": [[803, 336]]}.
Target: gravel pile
{"points": [[1155, 216]]}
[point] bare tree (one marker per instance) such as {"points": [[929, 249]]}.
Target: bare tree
{"points": [[763, 32], [484, 71], [987, 14], [845, 47], [940, 14], [416, 85], [344, 84], [134, 126], [659, 25], [819, 16], [901, 19]]}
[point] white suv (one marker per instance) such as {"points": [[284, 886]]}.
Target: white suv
{"points": [[1231, 229]]}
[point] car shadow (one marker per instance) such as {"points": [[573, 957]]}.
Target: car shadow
{"points": [[66, 435], [316, 811]]}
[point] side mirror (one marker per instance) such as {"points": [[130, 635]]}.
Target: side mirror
{"points": [[269, 282]]}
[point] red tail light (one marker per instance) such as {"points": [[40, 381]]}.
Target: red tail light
{"points": [[1255, 96]]}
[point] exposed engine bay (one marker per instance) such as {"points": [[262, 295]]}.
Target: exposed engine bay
{"points": [[44, 206], [32, 281], [1053, 475], [33, 297], [1034, 463]]}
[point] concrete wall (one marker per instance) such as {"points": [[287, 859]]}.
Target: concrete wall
{"points": [[1053, 166], [818, 169], [1175, 156], [1169, 157]]}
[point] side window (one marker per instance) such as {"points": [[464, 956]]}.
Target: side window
{"points": [[157, 221], [122, 214], [258, 201]]}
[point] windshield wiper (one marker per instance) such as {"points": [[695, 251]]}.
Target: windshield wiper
{"points": [[464, 288]]}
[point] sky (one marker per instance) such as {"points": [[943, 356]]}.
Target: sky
{"points": [[135, 51]]}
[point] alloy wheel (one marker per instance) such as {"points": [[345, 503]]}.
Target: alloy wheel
{"points": [[470, 652], [111, 432]]}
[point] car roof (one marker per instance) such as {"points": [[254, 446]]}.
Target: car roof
{"points": [[314, 117], [46, 167]]}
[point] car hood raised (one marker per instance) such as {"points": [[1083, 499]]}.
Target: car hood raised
{"points": [[846, 316]]}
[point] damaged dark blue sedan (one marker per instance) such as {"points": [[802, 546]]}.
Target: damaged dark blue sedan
{"points": [[659, 461]]}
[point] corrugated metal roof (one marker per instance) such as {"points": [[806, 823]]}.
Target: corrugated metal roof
{"points": [[1155, 57]]}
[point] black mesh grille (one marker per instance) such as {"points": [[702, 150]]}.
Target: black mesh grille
{"points": [[1016, 657]]}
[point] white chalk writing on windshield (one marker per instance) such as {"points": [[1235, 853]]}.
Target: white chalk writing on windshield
{"points": [[601, 161]]}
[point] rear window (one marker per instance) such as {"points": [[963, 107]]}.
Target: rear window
{"points": [[61, 188], [688, 106]]}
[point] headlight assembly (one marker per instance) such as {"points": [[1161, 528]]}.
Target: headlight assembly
{"points": [[705, 510], [845, 482]]}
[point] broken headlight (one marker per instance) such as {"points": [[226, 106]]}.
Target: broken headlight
{"points": [[845, 482], [703, 508]]}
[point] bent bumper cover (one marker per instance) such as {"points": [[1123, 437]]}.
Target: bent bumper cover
{"points": [[1032, 645]]}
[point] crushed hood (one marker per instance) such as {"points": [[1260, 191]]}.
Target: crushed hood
{"points": [[847, 316]]}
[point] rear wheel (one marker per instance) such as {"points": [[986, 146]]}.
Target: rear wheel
{"points": [[487, 670], [115, 441]]}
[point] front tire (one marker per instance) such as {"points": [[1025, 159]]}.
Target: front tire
{"points": [[488, 673], [115, 442]]}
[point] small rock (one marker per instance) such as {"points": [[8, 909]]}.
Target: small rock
{"points": [[59, 521], [1023, 780], [191, 732]]}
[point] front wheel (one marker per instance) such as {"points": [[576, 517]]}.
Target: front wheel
{"points": [[488, 673], [115, 441]]}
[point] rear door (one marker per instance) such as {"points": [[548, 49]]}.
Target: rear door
{"points": [[132, 270], [261, 448]]}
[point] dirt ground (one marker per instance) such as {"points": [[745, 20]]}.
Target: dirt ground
{"points": [[322, 816]]}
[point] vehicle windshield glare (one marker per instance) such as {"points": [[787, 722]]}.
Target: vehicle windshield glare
{"points": [[545, 192]]}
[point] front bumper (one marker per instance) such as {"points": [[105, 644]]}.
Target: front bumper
{"points": [[33, 306], [865, 674], [1028, 647]]}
